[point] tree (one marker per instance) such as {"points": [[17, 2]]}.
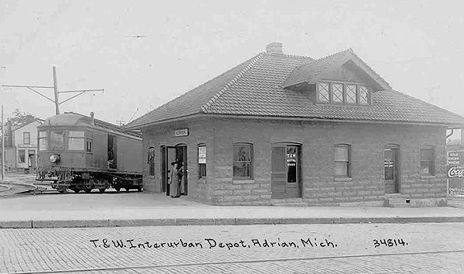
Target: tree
{"points": [[20, 119]]}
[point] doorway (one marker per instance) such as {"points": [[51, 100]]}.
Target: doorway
{"points": [[285, 171], [169, 155], [391, 166], [112, 152]]}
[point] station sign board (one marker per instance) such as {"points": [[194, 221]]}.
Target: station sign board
{"points": [[181, 132]]}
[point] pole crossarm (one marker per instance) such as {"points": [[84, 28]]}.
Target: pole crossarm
{"points": [[33, 90], [56, 92], [18, 86], [81, 90], [80, 93]]}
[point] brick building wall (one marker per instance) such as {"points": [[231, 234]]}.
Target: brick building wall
{"points": [[317, 140]]}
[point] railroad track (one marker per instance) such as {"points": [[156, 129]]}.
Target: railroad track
{"points": [[165, 266]]}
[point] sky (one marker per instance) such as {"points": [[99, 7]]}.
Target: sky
{"points": [[145, 53]]}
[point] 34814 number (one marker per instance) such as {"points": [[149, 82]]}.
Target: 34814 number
{"points": [[389, 242]]}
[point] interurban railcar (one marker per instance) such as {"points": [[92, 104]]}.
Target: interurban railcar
{"points": [[79, 152]]}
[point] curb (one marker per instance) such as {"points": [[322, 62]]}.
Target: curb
{"points": [[220, 221]]}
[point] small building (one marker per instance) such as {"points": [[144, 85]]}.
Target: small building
{"points": [[21, 153], [285, 129]]}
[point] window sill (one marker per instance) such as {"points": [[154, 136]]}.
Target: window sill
{"points": [[425, 176], [242, 181], [343, 179]]}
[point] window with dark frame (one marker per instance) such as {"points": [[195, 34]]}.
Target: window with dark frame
{"points": [[88, 145], [324, 93], [243, 161], [151, 161], [427, 160], [342, 160], [76, 140], [43, 140], [26, 138], [201, 161]]}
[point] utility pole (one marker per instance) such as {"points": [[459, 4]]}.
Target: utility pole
{"points": [[56, 91], [3, 148]]}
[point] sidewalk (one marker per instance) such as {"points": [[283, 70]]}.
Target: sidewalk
{"points": [[149, 209]]}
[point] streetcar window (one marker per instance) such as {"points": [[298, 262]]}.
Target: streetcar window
{"points": [[56, 140], [76, 140], [43, 140], [89, 145]]}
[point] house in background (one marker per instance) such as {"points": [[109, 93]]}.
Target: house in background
{"points": [[285, 129], [21, 150]]}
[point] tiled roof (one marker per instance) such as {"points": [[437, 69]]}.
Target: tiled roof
{"points": [[256, 88]]}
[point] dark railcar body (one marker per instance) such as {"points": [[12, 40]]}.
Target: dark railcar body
{"points": [[82, 153]]}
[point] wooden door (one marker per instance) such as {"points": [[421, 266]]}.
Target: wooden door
{"points": [[164, 169], [285, 172], [278, 173], [168, 155], [391, 166]]}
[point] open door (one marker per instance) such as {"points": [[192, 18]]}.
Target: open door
{"points": [[285, 171], [112, 152]]}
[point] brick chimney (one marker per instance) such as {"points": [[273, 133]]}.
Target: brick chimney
{"points": [[274, 48]]}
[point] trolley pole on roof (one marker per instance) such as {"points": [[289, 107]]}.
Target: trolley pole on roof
{"points": [[56, 91]]}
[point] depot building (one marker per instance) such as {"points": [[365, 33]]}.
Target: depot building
{"points": [[281, 129]]}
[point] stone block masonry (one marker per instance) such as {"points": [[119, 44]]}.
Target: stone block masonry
{"points": [[317, 140]]}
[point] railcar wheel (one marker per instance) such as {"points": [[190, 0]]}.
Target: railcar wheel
{"points": [[102, 190], [76, 190], [127, 189], [140, 189], [88, 190], [117, 189]]}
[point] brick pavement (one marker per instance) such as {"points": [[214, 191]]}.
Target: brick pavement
{"points": [[26, 250]]}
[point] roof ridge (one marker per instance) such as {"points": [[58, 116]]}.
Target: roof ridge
{"points": [[205, 107], [333, 54], [369, 67]]}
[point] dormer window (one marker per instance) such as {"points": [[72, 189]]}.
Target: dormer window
{"points": [[337, 93], [363, 95], [342, 93], [324, 93], [350, 91]]}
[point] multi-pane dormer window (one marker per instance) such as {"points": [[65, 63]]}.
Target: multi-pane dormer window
{"points": [[337, 93], [363, 95], [342, 93], [324, 93], [350, 92]]}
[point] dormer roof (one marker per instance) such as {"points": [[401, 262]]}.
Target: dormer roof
{"points": [[319, 69]]}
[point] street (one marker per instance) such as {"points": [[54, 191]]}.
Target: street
{"points": [[348, 248]]}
